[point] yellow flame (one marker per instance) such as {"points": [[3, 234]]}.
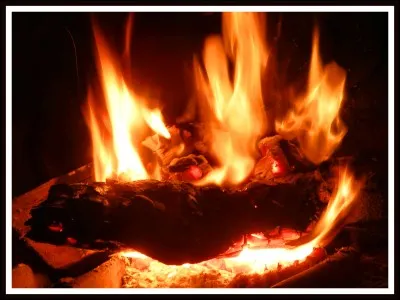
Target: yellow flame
{"points": [[127, 116], [155, 121], [315, 120], [235, 114], [102, 161]]}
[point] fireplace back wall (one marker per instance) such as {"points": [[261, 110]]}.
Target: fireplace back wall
{"points": [[50, 136]]}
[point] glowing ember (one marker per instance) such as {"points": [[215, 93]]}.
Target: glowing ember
{"points": [[315, 120], [275, 167], [192, 173], [56, 227], [221, 272]]}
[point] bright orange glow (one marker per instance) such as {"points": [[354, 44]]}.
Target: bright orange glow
{"points": [[235, 114], [127, 116], [268, 255], [315, 120]]}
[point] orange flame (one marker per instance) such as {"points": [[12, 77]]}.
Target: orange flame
{"points": [[154, 120], [127, 116], [338, 209], [103, 166], [235, 113], [315, 120]]}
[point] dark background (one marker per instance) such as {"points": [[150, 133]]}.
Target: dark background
{"points": [[49, 134]]}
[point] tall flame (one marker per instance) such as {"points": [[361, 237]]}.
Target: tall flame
{"points": [[235, 113], [102, 161], [315, 120], [127, 115]]}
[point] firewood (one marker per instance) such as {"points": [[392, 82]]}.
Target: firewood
{"points": [[107, 275], [329, 273], [174, 222]]}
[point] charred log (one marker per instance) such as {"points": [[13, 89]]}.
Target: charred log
{"points": [[174, 222]]}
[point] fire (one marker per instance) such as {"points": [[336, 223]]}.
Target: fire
{"points": [[235, 112], [315, 120], [253, 260], [236, 119], [101, 158], [233, 109], [338, 209], [126, 116]]}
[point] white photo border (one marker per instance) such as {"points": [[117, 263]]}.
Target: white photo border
{"points": [[11, 9]]}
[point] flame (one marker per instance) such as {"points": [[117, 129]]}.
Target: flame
{"points": [[335, 214], [235, 113], [101, 159], [315, 120], [252, 260], [154, 120], [127, 115]]}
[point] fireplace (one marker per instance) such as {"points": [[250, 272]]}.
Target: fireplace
{"points": [[263, 163]]}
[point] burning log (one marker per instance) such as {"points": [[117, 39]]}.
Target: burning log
{"points": [[173, 222]]}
